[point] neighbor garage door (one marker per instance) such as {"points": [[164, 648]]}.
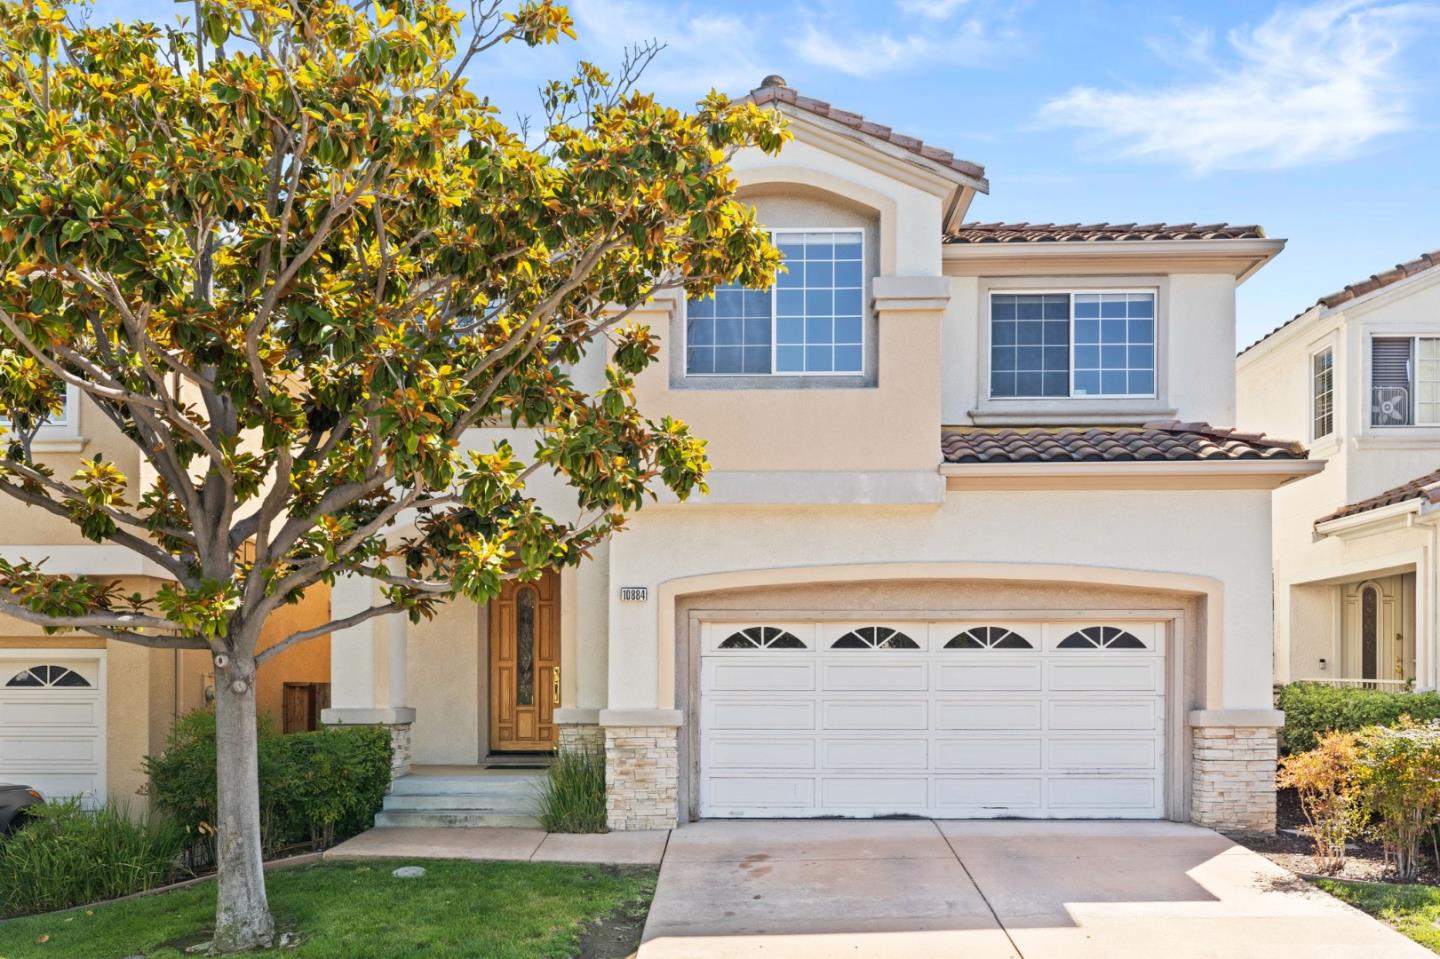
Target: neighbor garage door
{"points": [[52, 712], [947, 719]]}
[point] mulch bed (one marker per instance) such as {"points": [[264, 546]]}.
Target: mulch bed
{"points": [[1365, 860]]}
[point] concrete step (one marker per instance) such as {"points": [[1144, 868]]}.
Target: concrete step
{"points": [[455, 818], [499, 803], [493, 783]]}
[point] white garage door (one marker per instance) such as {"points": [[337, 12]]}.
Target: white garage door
{"points": [[52, 718], [948, 719]]}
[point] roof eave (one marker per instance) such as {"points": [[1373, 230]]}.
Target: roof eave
{"points": [[1368, 521], [1131, 474], [1241, 257]]}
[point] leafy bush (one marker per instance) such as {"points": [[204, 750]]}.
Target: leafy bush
{"points": [[1325, 779], [1312, 709], [1398, 772], [67, 855], [315, 788], [573, 797]]}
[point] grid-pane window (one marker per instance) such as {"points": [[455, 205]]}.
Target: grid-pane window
{"points": [[1405, 381], [1072, 344], [810, 321], [1322, 377], [1030, 344], [1427, 380], [1114, 344], [818, 302]]}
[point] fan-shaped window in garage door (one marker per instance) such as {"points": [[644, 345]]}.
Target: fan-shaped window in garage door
{"points": [[762, 637], [989, 637], [47, 677], [874, 637], [1101, 637]]}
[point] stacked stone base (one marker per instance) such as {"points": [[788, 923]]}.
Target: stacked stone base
{"points": [[400, 755], [642, 771], [1232, 785], [582, 737]]}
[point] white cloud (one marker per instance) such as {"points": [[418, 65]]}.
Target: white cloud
{"points": [[703, 49], [931, 9], [1310, 84], [862, 52]]}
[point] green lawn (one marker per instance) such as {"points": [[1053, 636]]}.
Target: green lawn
{"points": [[357, 910], [1414, 910]]}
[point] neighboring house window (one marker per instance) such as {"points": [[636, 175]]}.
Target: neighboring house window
{"points": [[1322, 379], [811, 321], [1045, 345], [1405, 381]]}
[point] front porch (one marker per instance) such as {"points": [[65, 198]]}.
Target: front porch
{"points": [[1359, 632], [501, 792]]}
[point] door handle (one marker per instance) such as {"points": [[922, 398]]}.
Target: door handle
{"points": [[555, 686]]}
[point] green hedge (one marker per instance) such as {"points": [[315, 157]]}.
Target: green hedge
{"points": [[67, 856], [315, 788], [1312, 709]]}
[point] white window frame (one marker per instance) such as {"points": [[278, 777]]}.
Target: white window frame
{"points": [[858, 232], [1315, 394], [1071, 292], [60, 435], [1414, 383]]}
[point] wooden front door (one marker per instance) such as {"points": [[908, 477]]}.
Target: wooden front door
{"points": [[525, 665]]}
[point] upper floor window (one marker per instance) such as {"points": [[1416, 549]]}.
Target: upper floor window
{"points": [[1322, 386], [809, 322], [1405, 381], [1072, 344]]}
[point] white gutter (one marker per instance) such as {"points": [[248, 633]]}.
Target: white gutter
{"points": [[1370, 517], [1271, 468]]}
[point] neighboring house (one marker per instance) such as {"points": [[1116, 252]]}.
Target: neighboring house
{"points": [[78, 714], [1357, 375], [970, 547]]}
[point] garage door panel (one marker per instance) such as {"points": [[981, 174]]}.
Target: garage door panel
{"points": [[989, 753], [758, 752], [1102, 714], [50, 749], [759, 675], [987, 714], [52, 722], [994, 795], [883, 793], [876, 677], [874, 715], [1093, 753], [1105, 793], [1142, 675], [971, 674], [894, 753], [738, 792], [761, 714], [35, 711]]}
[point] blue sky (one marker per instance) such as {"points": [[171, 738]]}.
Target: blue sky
{"points": [[1317, 120]]}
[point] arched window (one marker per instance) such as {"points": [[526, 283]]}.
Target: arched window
{"points": [[875, 637], [1101, 637], [47, 677], [988, 637], [762, 637]]}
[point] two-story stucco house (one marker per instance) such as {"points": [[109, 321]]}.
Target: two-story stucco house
{"points": [[970, 547], [1357, 377]]}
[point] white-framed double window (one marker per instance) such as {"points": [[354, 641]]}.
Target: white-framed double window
{"points": [[1405, 381], [65, 427], [811, 321], [1322, 393], [1072, 343]]}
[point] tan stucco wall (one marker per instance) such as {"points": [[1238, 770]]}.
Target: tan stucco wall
{"points": [[308, 662]]}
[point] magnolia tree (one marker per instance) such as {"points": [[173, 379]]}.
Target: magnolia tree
{"points": [[289, 252]]}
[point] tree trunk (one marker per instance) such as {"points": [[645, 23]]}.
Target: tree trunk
{"points": [[242, 912]]}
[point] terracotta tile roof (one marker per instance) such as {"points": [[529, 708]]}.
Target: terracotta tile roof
{"points": [[1377, 281], [1083, 232], [773, 90], [1164, 441], [1425, 487]]}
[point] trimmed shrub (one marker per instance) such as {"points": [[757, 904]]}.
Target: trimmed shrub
{"points": [[315, 788], [1325, 780], [573, 797], [1398, 772], [1312, 709], [68, 855]]}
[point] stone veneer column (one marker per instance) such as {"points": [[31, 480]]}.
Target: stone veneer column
{"points": [[1232, 778], [642, 767], [397, 719], [579, 729]]}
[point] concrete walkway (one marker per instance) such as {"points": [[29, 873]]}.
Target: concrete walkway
{"points": [[505, 844], [915, 889]]}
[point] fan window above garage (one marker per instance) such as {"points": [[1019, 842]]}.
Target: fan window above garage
{"points": [[762, 637], [46, 677], [1101, 637], [989, 637], [874, 637]]}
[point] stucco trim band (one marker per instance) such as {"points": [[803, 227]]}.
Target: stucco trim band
{"points": [[391, 716], [1249, 718], [668, 718]]}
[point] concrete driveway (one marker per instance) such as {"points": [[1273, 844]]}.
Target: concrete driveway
{"points": [[915, 889]]}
